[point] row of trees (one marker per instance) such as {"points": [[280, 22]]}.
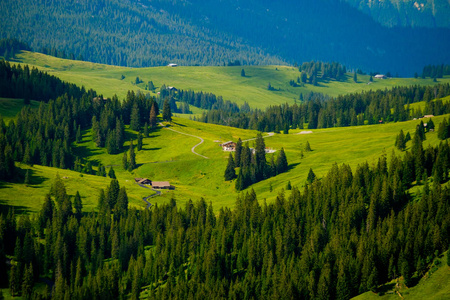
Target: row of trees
{"points": [[312, 71], [21, 82], [253, 165], [355, 109], [436, 71], [340, 236]]}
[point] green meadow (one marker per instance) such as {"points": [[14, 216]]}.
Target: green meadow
{"points": [[222, 81], [167, 156]]}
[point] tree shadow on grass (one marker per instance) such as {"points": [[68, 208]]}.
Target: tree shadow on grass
{"points": [[150, 149], [18, 209], [292, 166]]}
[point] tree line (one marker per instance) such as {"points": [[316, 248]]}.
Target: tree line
{"points": [[340, 236], [372, 107], [435, 71], [21, 82]]}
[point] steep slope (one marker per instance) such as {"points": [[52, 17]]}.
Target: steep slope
{"points": [[407, 13], [150, 33]]}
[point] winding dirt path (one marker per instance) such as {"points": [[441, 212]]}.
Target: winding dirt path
{"points": [[193, 148], [158, 193]]}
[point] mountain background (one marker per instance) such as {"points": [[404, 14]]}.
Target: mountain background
{"points": [[358, 34]]}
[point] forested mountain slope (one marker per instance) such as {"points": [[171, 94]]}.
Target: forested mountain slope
{"points": [[149, 33], [408, 13]]}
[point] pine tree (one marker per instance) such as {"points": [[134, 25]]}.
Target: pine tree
{"points": [[132, 163], [139, 142], [238, 153], [289, 186], [125, 161], [400, 141], [121, 207], [442, 132], [311, 176], [167, 113], [111, 173], [152, 120], [307, 147], [101, 203], [355, 77], [27, 179], [78, 206], [242, 73], [260, 157], [112, 193], [239, 185], [282, 164], [146, 130], [28, 282], [230, 173], [134, 118], [78, 137], [430, 125]]}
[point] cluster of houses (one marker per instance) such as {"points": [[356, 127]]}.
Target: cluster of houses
{"points": [[159, 185], [231, 147]]}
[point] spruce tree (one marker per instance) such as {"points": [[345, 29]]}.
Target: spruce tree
{"points": [[442, 132], [311, 176], [238, 153], [78, 135], [121, 207], [230, 173], [308, 147], [27, 179], [167, 113], [400, 141], [134, 118], [239, 185], [282, 164], [146, 130], [139, 142], [78, 206], [153, 120], [242, 73], [125, 161], [111, 173], [132, 163]]}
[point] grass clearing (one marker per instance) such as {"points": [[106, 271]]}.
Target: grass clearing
{"points": [[222, 81], [167, 156]]}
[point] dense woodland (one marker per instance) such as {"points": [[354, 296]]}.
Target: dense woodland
{"points": [[371, 107], [340, 236], [154, 33]]}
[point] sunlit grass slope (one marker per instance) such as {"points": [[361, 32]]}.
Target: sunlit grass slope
{"points": [[167, 156], [222, 81]]}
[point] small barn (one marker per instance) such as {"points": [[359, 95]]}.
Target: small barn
{"points": [[228, 146], [380, 76], [161, 185], [172, 65]]}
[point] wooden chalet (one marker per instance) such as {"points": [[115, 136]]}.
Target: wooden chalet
{"points": [[143, 181], [228, 146]]}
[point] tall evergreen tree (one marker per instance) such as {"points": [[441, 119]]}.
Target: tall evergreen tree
{"points": [[111, 173], [230, 173], [139, 142], [311, 176], [153, 115], [78, 206], [237, 153], [308, 147], [167, 113], [135, 118], [132, 163], [282, 164], [125, 161], [260, 157]]}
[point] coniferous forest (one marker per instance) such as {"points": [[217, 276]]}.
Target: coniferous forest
{"points": [[338, 237]]}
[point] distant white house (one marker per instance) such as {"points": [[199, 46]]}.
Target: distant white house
{"points": [[172, 65], [380, 76]]}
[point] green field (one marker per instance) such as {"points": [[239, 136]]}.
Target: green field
{"points": [[435, 285], [167, 156], [222, 81]]}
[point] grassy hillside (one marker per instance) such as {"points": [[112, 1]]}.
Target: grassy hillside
{"points": [[167, 155], [222, 81], [434, 285]]}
